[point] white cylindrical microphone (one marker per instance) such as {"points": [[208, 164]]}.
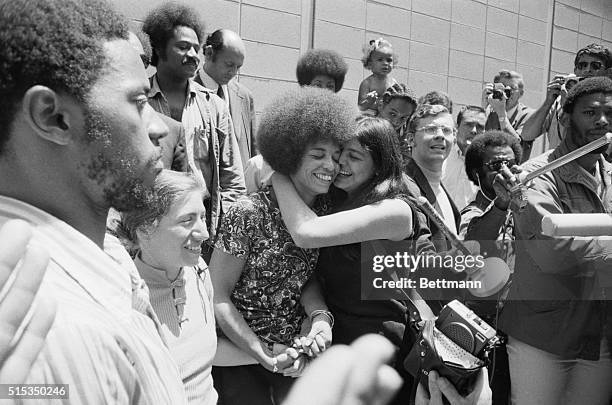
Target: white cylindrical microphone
{"points": [[577, 225]]}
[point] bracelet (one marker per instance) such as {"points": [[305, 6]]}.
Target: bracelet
{"points": [[274, 365], [325, 312]]}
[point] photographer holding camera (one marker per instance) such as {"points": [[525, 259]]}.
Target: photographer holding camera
{"points": [[592, 60], [504, 111]]}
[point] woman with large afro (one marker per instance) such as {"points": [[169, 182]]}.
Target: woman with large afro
{"points": [[261, 278]]}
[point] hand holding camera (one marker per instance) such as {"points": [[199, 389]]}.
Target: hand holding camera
{"points": [[496, 95]]}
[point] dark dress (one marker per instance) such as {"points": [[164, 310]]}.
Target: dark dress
{"points": [[339, 269]]}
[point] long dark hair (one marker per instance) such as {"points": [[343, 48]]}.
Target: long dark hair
{"points": [[378, 137]]}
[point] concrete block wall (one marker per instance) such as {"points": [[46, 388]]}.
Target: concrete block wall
{"points": [[449, 45]]}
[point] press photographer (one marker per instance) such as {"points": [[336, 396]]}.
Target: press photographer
{"points": [[592, 60], [504, 110]]}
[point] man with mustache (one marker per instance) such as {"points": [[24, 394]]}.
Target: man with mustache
{"points": [[559, 325], [211, 148]]}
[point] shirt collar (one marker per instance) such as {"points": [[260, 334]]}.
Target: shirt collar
{"points": [[104, 274], [211, 84], [155, 89], [511, 111], [208, 81]]}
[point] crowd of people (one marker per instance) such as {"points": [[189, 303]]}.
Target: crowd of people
{"points": [[158, 246]]}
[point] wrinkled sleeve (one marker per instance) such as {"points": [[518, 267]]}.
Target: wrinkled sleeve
{"points": [[562, 255]]}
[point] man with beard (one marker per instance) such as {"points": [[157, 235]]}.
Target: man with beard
{"points": [[211, 147], [75, 140], [559, 330]]}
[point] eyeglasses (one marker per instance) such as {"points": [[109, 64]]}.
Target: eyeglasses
{"points": [[433, 130], [496, 165], [595, 65]]}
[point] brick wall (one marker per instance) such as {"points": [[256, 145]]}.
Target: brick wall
{"points": [[450, 45]]}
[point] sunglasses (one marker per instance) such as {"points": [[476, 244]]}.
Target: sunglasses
{"points": [[496, 165], [595, 65]]}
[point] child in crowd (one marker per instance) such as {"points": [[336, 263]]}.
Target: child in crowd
{"points": [[378, 57]]}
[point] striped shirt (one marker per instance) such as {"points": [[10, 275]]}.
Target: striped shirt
{"points": [[185, 308], [108, 352]]}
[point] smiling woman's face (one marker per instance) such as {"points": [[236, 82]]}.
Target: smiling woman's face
{"points": [[356, 167], [317, 170], [176, 240]]}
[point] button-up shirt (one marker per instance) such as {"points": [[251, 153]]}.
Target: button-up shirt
{"points": [[197, 143], [105, 349]]}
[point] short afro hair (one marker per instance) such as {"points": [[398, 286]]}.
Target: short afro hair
{"points": [[401, 91], [475, 152], [591, 85], [296, 120], [321, 62], [57, 44], [437, 97], [596, 51], [160, 23]]}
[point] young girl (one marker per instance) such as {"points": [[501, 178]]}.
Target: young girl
{"points": [[380, 59]]}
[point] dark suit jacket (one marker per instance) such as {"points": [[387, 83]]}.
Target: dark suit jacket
{"points": [[414, 171], [242, 111]]}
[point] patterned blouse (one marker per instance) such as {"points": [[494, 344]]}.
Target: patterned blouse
{"points": [[268, 291]]}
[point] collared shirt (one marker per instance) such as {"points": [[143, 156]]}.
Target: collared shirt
{"points": [[212, 84], [185, 309], [442, 200], [197, 142], [455, 180], [107, 351]]}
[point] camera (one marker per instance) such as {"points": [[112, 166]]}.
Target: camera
{"points": [[570, 81], [499, 90], [466, 329]]}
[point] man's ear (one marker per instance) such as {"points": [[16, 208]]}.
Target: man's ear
{"points": [[208, 52], [48, 114]]}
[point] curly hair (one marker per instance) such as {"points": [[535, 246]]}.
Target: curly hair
{"points": [[168, 188], [591, 85], [401, 91], [437, 97], [298, 119], [321, 62], [475, 152], [160, 23], [375, 45], [57, 44], [596, 51], [378, 137]]}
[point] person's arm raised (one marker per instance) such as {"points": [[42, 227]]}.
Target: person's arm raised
{"points": [[386, 219]]}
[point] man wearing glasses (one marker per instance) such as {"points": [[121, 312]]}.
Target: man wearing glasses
{"points": [[486, 220], [592, 60], [470, 122], [431, 134]]}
